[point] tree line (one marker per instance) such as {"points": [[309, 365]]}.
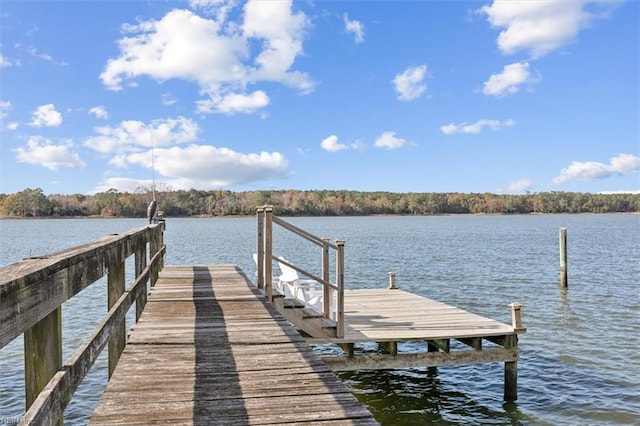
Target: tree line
{"points": [[183, 203]]}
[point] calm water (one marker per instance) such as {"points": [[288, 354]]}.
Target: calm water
{"points": [[580, 357]]}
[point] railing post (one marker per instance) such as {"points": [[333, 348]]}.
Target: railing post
{"points": [[340, 282], [161, 226], [268, 252], [154, 246], [326, 290], [42, 354], [115, 288], [141, 263], [260, 252]]}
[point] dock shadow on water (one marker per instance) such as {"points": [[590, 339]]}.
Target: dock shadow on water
{"points": [[217, 382]]}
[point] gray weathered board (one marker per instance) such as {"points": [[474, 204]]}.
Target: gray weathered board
{"points": [[208, 350]]}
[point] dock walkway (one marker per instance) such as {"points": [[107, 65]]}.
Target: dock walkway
{"points": [[209, 350]]}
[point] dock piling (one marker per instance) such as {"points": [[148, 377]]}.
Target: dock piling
{"points": [[563, 258], [392, 281], [516, 316]]}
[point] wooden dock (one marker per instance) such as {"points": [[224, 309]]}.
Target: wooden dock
{"points": [[209, 350], [210, 347], [390, 317]]}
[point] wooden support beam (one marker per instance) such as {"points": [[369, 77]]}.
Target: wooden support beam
{"points": [[42, 354], [474, 342], [511, 370], [348, 348], [498, 340], [115, 289], [442, 344], [423, 359], [140, 262], [389, 347]]}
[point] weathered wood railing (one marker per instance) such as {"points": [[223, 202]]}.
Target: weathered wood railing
{"points": [[266, 219], [32, 292]]}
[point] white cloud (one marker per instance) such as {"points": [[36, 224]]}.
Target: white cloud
{"points": [[234, 103], [4, 62], [34, 52], [477, 127], [510, 80], [219, 56], [539, 27], [410, 83], [520, 185], [205, 166], [131, 136], [389, 140], [46, 115], [168, 99], [281, 32], [331, 144], [122, 184], [218, 8], [354, 27], [4, 107], [591, 170], [43, 152], [99, 111], [621, 191]]}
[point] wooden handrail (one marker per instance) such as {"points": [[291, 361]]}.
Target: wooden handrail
{"points": [[266, 219], [32, 292], [304, 234]]}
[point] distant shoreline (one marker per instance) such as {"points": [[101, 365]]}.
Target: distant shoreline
{"points": [[202, 216]]}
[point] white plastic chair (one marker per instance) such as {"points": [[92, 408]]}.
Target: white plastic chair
{"points": [[274, 282], [307, 290]]}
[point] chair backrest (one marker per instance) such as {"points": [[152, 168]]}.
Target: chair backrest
{"points": [[288, 274]]}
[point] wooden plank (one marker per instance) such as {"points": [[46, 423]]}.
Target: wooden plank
{"points": [[209, 350], [382, 315]]}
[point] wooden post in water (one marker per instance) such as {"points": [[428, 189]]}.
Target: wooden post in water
{"points": [[392, 281], [511, 341], [115, 289], [563, 258], [511, 371], [42, 355]]}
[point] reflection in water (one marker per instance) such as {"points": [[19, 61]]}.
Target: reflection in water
{"points": [[419, 396]]}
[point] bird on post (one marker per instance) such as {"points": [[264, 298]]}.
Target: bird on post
{"points": [[151, 210]]}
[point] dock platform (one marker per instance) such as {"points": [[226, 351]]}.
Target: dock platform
{"points": [[208, 349], [390, 317]]}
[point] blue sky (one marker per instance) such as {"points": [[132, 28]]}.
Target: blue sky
{"points": [[403, 96]]}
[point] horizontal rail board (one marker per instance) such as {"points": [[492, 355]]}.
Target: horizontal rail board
{"points": [[33, 288]]}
